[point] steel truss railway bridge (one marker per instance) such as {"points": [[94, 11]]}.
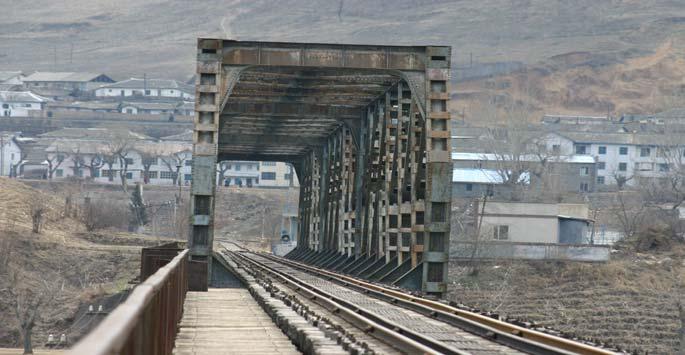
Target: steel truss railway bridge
{"points": [[367, 129]]}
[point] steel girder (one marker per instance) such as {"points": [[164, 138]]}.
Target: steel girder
{"points": [[366, 128]]}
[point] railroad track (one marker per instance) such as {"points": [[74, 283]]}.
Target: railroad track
{"points": [[408, 323]]}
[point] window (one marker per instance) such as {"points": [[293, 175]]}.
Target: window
{"points": [[645, 166], [622, 166], [581, 149], [188, 177], [584, 187], [59, 172], [96, 173], [600, 180], [645, 151], [556, 148], [27, 105], [152, 174], [287, 176], [469, 187], [123, 93], [269, 163], [602, 150], [110, 90], [623, 151], [501, 233], [268, 176], [147, 92], [5, 106], [167, 175], [129, 111], [12, 156], [189, 162], [149, 161], [664, 168], [129, 175], [584, 171], [237, 167], [601, 165]]}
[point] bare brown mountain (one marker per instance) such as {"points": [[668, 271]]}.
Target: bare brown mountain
{"points": [[128, 37], [583, 83]]}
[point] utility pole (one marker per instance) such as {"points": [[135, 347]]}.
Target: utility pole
{"points": [[2, 155]]}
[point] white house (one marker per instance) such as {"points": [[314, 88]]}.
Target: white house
{"points": [[622, 156], [20, 103], [10, 154], [150, 88]]}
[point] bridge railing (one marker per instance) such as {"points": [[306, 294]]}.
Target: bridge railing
{"points": [[147, 322]]}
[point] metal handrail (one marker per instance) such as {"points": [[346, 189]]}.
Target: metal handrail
{"points": [[147, 322]]}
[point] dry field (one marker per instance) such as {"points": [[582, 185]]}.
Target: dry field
{"points": [[630, 301]]}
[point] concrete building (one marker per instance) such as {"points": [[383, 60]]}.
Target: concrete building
{"points": [[534, 222], [622, 157], [20, 103], [55, 84], [10, 154], [564, 173], [148, 88]]}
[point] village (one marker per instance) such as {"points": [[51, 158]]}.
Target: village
{"points": [[507, 178]]}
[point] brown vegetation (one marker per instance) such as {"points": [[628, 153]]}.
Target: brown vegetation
{"points": [[631, 301]]}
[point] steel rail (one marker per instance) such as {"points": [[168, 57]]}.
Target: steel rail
{"points": [[391, 333], [147, 322], [512, 335]]}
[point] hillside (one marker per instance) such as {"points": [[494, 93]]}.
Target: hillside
{"points": [[78, 272], [583, 83], [158, 37]]}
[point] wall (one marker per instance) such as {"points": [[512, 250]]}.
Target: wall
{"points": [[523, 229], [463, 250], [10, 155]]}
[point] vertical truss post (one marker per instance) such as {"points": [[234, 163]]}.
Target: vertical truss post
{"points": [[438, 171], [205, 137]]}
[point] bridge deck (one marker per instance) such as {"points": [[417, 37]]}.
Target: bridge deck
{"points": [[228, 321]]}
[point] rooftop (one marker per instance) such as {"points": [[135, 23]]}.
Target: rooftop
{"points": [[102, 134], [574, 159], [483, 176], [21, 96], [135, 83], [6, 75], [67, 76], [186, 136]]}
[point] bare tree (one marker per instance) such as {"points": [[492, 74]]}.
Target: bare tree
{"points": [[28, 297], [54, 161], [38, 211], [222, 168], [77, 161], [681, 333], [149, 158], [621, 179], [174, 161], [93, 162], [117, 151], [630, 213]]}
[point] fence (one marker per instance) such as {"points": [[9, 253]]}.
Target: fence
{"points": [[147, 322], [465, 250]]}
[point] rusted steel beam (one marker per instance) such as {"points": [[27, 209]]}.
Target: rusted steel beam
{"points": [[147, 322]]}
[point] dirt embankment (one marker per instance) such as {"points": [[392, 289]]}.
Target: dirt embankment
{"points": [[630, 301], [79, 268]]}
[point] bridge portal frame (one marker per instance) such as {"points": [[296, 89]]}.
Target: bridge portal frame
{"points": [[374, 166]]}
